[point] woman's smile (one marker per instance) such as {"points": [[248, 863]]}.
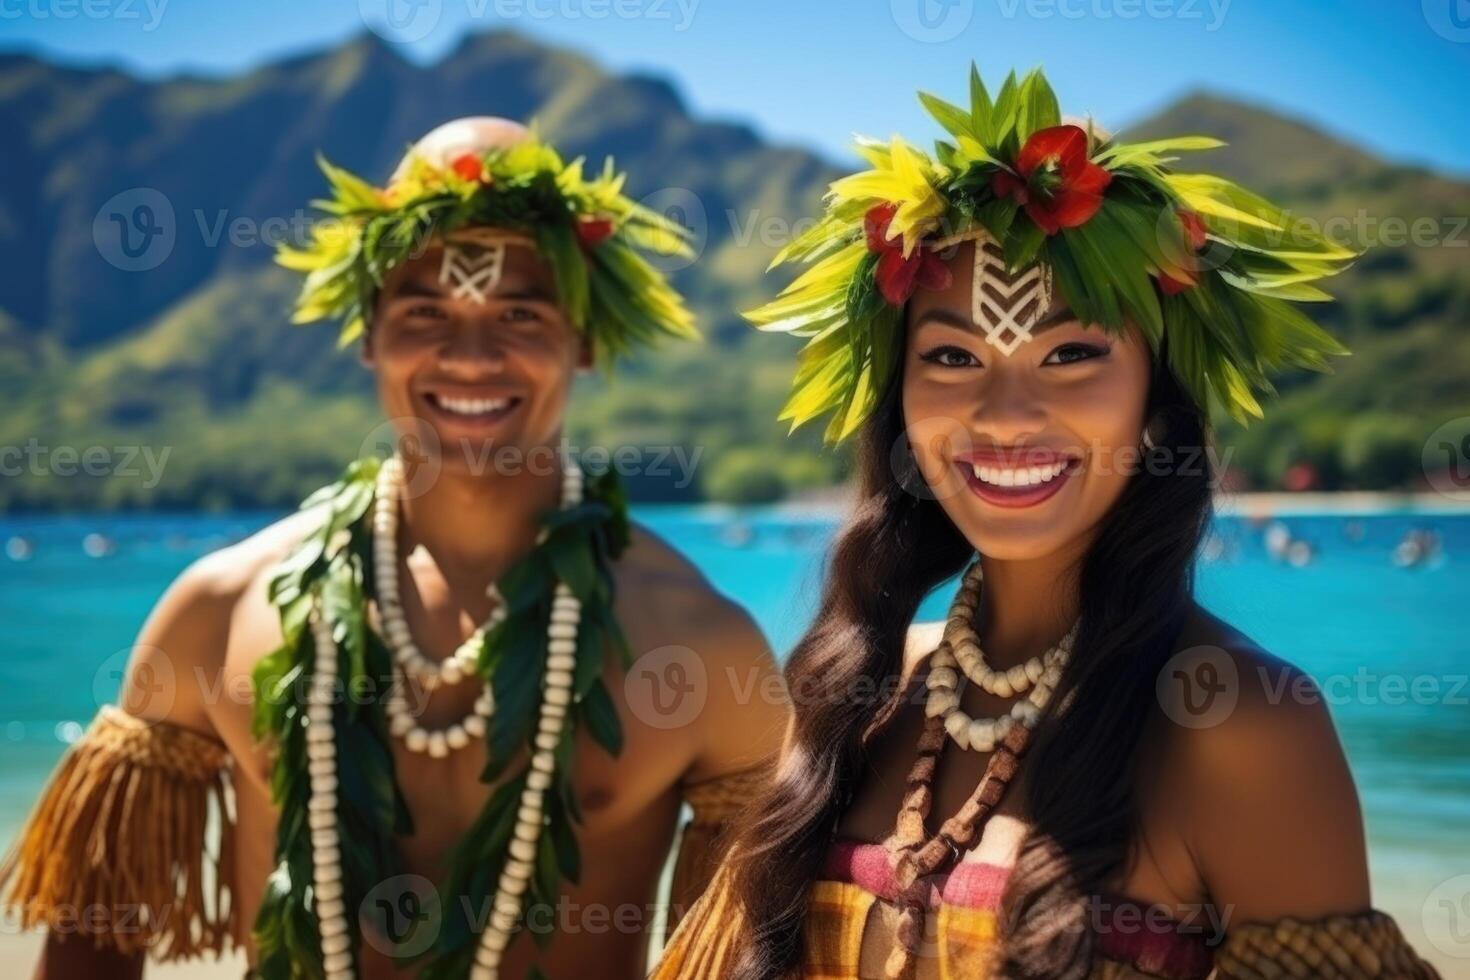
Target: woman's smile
{"points": [[1019, 478]]}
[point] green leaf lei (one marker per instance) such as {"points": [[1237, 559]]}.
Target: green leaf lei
{"points": [[333, 566]]}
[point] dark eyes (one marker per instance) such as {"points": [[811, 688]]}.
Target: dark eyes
{"points": [[957, 357], [1072, 353], [515, 314], [950, 356], [427, 311]]}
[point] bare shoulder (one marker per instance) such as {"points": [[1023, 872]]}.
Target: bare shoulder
{"points": [[187, 633], [665, 601], [667, 598], [232, 570], [1263, 786], [1246, 698]]}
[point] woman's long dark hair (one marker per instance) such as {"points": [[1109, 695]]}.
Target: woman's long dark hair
{"points": [[1136, 588]]}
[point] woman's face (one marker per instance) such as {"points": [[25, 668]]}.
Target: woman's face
{"points": [[1025, 452]]}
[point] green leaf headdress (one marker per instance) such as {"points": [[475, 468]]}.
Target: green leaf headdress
{"points": [[587, 230], [1191, 258]]}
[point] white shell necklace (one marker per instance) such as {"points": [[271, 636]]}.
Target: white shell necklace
{"points": [[321, 752], [960, 651], [408, 659]]}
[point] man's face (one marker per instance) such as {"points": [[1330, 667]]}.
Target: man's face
{"points": [[488, 377]]}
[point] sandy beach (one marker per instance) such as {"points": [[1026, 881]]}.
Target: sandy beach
{"points": [[18, 957]]}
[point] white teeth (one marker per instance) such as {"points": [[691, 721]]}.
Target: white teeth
{"points": [[1028, 476], [471, 406]]}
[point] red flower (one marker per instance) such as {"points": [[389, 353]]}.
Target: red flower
{"points": [[1170, 286], [1197, 235], [1194, 230], [1054, 180], [899, 276], [469, 166], [592, 232]]}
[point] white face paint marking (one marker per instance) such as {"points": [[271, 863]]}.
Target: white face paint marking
{"points": [[473, 270], [1005, 305]]}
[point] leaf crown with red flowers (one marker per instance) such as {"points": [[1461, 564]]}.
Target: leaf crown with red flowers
{"points": [[1191, 259], [587, 231]]}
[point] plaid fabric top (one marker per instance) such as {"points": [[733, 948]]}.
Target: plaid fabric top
{"points": [[851, 920]]}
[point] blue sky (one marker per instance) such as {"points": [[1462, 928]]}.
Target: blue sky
{"points": [[1388, 74]]}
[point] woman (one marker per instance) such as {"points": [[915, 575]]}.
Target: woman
{"points": [[1081, 772]]}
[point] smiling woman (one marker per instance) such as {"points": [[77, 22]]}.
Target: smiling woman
{"points": [[1034, 437], [1025, 334]]}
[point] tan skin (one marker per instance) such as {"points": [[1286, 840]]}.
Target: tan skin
{"points": [[457, 536], [1253, 818]]}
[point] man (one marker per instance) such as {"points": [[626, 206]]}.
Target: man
{"points": [[474, 333]]}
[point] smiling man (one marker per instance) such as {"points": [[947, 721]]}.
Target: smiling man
{"points": [[480, 696]]}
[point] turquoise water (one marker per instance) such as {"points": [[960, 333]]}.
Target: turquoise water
{"points": [[1351, 618]]}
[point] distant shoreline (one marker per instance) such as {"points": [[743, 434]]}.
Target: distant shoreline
{"points": [[1364, 502], [831, 502]]}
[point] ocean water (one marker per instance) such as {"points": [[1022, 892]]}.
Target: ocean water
{"points": [[1389, 644]]}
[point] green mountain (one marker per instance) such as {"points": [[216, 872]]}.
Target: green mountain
{"points": [[194, 356]]}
